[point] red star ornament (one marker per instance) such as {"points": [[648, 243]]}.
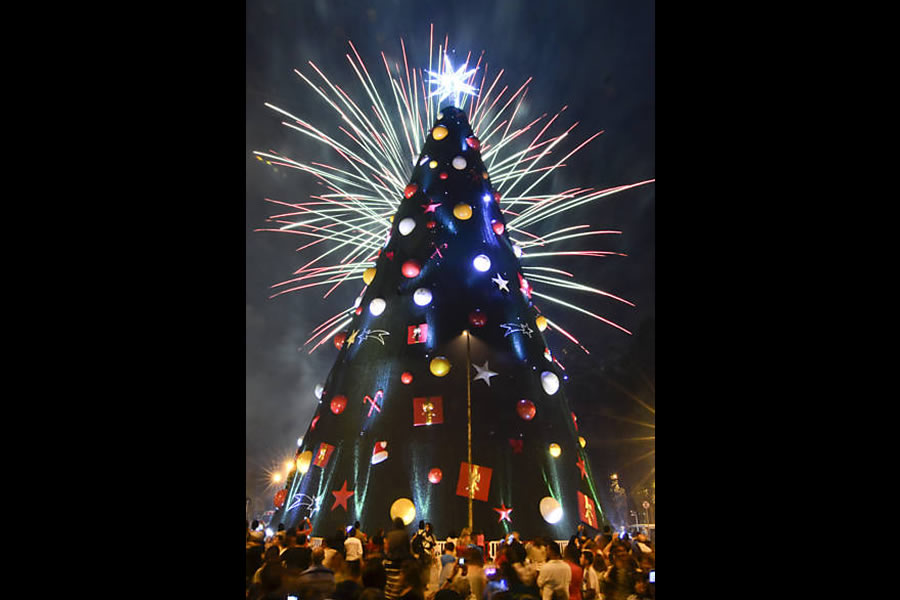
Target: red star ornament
{"points": [[341, 496], [580, 465], [503, 512]]}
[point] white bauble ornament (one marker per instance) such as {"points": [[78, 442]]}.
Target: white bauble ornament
{"points": [[377, 306], [551, 510], [550, 382], [406, 226], [422, 297]]}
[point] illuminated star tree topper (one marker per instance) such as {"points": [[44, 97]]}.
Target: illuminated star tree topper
{"points": [[452, 83]]}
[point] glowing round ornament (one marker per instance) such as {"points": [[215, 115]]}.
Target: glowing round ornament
{"points": [[338, 404], [431, 224], [439, 132], [303, 461], [551, 510], [439, 366], [377, 306], [526, 409], [411, 268], [498, 227], [404, 509], [582, 442], [435, 475], [422, 297], [517, 250], [409, 190], [459, 163], [433, 164], [481, 263], [443, 175], [406, 378], [368, 275], [406, 226], [497, 197], [339, 339], [477, 318], [473, 142], [550, 382], [280, 497], [555, 450], [318, 390], [541, 322], [462, 211]]}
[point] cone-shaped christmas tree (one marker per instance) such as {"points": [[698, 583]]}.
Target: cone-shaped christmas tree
{"points": [[444, 403]]}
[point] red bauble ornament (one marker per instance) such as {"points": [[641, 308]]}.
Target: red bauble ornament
{"points": [[411, 268], [358, 310], [477, 318], [498, 227], [526, 409], [339, 339], [497, 197], [443, 175], [280, 497], [338, 404], [435, 475], [409, 190], [406, 378], [473, 142], [431, 224]]}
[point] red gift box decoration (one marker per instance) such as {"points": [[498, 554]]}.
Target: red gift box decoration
{"points": [[428, 411], [323, 454], [479, 485], [417, 334], [587, 510]]}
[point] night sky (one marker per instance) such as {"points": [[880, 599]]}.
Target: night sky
{"points": [[597, 58]]}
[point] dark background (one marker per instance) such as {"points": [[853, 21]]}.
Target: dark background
{"points": [[598, 59]]}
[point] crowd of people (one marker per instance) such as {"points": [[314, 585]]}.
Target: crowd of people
{"points": [[352, 565]]}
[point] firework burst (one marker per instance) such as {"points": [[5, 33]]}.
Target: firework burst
{"points": [[378, 142]]}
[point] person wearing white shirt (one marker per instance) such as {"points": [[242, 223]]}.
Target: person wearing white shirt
{"points": [[555, 575]]}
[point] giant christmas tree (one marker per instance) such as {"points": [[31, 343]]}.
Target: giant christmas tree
{"points": [[444, 402]]}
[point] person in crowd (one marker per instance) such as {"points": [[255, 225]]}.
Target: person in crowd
{"points": [[465, 540], [475, 572], [298, 554], [373, 574], [397, 551], [375, 547], [267, 581], [306, 529], [316, 582], [641, 588], [398, 542], [412, 584], [363, 538], [590, 583], [555, 575], [348, 589], [646, 563], [517, 552], [372, 593], [332, 546], [416, 544], [617, 582], [536, 552], [448, 561], [254, 551], [641, 545], [572, 557], [353, 549]]}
